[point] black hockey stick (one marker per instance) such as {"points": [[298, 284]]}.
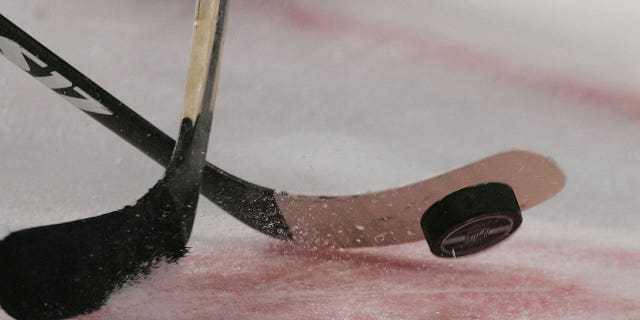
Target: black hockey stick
{"points": [[63, 270], [373, 219], [252, 204]]}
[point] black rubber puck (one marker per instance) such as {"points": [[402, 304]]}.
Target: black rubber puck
{"points": [[471, 220]]}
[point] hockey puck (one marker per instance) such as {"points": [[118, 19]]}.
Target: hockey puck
{"points": [[471, 219]]}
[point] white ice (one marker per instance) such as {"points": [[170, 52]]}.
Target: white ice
{"points": [[341, 97]]}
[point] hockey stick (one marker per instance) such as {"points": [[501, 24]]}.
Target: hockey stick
{"points": [[252, 204], [63, 270], [373, 219]]}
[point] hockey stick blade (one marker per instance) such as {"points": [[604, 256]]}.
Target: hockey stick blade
{"points": [[63, 270], [393, 216]]}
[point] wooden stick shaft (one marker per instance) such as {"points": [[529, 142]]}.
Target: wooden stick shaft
{"points": [[206, 18]]}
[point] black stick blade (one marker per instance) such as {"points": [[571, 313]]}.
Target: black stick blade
{"points": [[67, 269]]}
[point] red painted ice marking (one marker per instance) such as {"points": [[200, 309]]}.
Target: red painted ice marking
{"points": [[423, 46], [620, 258], [252, 280]]}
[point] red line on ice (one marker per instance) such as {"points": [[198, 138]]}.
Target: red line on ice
{"points": [[268, 280], [424, 46]]}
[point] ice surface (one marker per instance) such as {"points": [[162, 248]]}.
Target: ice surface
{"points": [[339, 97]]}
